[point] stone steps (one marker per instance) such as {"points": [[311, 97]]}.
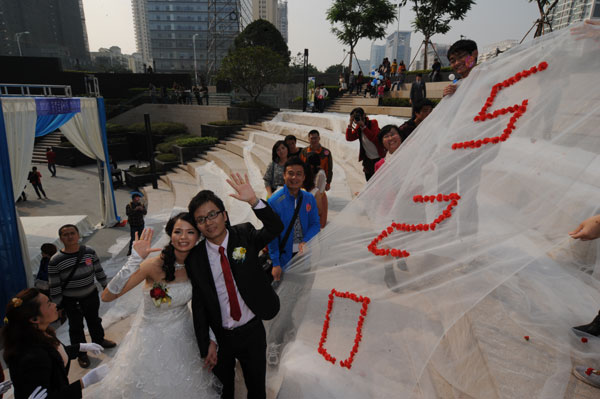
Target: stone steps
{"points": [[159, 199], [183, 185], [39, 150]]}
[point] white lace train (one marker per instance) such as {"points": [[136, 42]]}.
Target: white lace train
{"points": [[159, 357]]}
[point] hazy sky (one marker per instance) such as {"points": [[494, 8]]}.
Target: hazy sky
{"points": [[110, 23]]}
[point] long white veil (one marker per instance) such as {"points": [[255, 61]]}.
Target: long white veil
{"points": [[450, 319]]}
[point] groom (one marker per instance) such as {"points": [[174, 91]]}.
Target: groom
{"points": [[231, 293]]}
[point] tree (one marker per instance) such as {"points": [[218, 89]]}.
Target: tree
{"points": [[263, 33], [434, 16], [297, 66], [353, 20], [252, 68], [336, 68], [544, 7]]}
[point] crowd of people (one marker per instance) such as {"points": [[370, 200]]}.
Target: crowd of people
{"points": [[179, 94]]}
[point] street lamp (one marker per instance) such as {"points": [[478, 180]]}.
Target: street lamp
{"points": [[17, 37], [195, 66]]}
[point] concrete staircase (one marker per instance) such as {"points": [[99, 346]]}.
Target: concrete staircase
{"points": [[39, 150], [249, 151]]}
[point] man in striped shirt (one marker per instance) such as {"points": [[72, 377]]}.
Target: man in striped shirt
{"points": [[78, 295]]}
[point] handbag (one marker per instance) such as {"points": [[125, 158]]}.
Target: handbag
{"points": [[265, 260]]}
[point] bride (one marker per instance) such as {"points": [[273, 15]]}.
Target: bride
{"points": [[159, 357]]}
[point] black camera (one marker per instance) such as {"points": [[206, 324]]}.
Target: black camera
{"points": [[357, 117]]}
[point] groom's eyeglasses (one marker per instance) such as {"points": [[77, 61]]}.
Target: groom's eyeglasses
{"points": [[210, 216]]}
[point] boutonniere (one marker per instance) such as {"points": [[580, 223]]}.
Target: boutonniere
{"points": [[160, 294], [239, 254]]}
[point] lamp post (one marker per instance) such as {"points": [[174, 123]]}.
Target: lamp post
{"points": [[195, 65], [17, 37]]}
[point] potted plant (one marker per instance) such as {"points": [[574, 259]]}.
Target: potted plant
{"points": [[221, 129], [248, 111], [188, 148], [68, 155], [136, 177]]}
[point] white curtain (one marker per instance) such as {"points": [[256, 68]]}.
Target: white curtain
{"points": [[85, 134], [19, 120]]}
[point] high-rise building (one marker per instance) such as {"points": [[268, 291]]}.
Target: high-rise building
{"points": [[565, 12], [437, 51], [265, 9], [397, 46], [167, 31], [377, 54], [282, 19], [49, 28]]}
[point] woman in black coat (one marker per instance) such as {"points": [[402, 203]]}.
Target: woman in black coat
{"points": [[35, 357]]}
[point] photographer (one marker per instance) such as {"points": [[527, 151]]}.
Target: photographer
{"points": [[360, 127]]}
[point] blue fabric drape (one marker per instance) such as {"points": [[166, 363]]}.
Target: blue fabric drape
{"points": [[102, 121], [12, 268], [48, 123]]}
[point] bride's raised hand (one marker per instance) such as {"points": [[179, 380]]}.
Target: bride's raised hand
{"points": [[243, 189], [143, 244]]}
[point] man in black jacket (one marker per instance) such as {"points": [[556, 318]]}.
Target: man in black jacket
{"points": [[231, 292], [418, 92]]}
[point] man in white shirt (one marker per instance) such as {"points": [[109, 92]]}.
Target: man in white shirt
{"points": [[231, 293]]}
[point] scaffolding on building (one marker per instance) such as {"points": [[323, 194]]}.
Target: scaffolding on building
{"points": [[225, 22]]}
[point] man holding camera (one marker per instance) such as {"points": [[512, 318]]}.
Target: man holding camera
{"points": [[362, 128]]}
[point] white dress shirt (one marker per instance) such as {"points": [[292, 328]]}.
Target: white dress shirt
{"points": [[214, 258]]}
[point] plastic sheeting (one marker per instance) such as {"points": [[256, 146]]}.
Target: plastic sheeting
{"points": [[450, 319]]}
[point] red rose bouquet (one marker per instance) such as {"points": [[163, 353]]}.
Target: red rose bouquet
{"points": [[160, 294]]}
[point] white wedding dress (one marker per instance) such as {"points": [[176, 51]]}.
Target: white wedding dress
{"points": [[159, 357]]}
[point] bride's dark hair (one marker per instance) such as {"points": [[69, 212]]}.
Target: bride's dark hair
{"points": [[168, 252]]}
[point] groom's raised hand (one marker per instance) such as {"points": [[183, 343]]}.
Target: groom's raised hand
{"points": [[243, 190]]}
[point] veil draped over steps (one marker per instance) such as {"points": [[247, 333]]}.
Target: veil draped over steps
{"points": [[449, 320]]}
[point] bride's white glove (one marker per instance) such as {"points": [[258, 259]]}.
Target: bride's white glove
{"points": [[140, 250], [94, 376], [38, 393], [93, 348]]}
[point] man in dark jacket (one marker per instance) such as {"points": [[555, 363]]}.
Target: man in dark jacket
{"points": [[418, 92], [231, 292]]}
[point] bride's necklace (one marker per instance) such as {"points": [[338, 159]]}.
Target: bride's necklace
{"points": [[179, 266]]}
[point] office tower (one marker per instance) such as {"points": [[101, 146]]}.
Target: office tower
{"points": [[168, 31], [565, 12], [50, 28]]}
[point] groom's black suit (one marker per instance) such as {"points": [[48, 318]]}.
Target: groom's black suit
{"points": [[252, 284]]}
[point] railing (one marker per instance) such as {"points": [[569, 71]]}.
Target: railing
{"points": [[15, 90]]}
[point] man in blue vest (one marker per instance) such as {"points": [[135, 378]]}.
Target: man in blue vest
{"points": [[304, 227]]}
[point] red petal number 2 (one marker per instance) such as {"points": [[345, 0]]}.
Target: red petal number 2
{"points": [[517, 110]]}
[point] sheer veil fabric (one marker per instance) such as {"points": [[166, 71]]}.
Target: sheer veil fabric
{"points": [[450, 320]]}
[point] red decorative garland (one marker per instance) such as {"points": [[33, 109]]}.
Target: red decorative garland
{"points": [[584, 340], [398, 253], [361, 319], [517, 110]]}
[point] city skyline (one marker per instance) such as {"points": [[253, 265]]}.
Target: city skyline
{"points": [[110, 23]]}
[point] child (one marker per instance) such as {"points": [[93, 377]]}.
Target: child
{"points": [[41, 280]]}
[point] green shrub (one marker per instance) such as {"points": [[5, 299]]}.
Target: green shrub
{"points": [[171, 139], [298, 99], [140, 171], [66, 144], [165, 148], [196, 141], [253, 104], [115, 129], [167, 157], [396, 102], [226, 123]]}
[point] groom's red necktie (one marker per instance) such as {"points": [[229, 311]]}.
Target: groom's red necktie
{"points": [[234, 305]]}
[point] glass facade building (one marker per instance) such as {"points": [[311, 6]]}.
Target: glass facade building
{"points": [[567, 12], [166, 31]]}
